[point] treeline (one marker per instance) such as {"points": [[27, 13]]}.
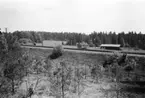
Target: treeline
{"points": [[130, 39]]}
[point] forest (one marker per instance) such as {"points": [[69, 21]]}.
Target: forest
{"points": [[130, 39]]}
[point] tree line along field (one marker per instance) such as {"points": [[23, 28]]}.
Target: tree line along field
{"points": [[130, 42], [131, 39]]}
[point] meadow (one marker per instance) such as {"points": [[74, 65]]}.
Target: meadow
{"points": [[71, 76], [74, 75]]}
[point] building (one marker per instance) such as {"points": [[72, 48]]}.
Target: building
{"points": [[110, 46], [53, 43]]}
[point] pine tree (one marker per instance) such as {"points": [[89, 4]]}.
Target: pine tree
{"points": [[97, 41]]}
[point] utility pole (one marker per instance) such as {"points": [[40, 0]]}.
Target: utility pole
{"points": [[6, 29]]}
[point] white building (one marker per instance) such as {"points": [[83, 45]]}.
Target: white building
{"points": [[110, 46], [52, 43]]}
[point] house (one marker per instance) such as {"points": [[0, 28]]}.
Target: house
{"points": [[110, 46], [53, 43]]}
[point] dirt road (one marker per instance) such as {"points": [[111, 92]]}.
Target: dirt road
{"points": [[83, 51]]}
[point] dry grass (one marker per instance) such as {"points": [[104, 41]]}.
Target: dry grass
{"points": [[90, 88]]}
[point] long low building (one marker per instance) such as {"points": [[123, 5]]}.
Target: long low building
{"points": [[52, 43], [110, 46]]}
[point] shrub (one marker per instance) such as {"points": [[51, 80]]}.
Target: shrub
{"points": [[57, 52], [91, 45], [78, 45], [82, 45], [24, 41]]}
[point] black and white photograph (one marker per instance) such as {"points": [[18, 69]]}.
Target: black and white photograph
{"points": [[72, 48]]}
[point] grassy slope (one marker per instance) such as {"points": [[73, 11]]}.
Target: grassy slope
{"points": [[73, 59]]}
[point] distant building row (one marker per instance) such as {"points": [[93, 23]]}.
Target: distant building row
{"points": [[81, 45]]}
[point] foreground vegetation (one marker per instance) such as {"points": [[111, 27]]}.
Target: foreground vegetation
{"points": [[26, 73], [70, 75]]}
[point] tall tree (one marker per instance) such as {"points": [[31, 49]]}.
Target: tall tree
{"points": [[97, 41]]}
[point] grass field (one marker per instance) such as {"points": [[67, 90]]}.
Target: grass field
{"points": [[104, 88], [125, 50], [79, 81]]}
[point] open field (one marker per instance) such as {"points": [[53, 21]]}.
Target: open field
{"points": [[92, 50], [79, 74], [126, 50], [102, 87]]}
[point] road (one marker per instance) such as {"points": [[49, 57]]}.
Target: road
{"points": [[81, 51]]}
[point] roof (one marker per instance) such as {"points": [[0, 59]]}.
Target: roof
{"points": [[52, 42], [110, 45]]}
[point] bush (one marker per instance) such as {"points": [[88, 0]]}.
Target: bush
{"points": [[82, 45], [24, 41], [91, 45], [57, 52], [78, 45]]}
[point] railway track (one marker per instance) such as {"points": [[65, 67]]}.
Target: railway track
{"points": [[90, 50]]}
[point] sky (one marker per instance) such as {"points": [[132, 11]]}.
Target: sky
{"points": [[83, 16]]}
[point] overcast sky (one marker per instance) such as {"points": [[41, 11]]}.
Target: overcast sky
{"points": [[73, 15]]}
